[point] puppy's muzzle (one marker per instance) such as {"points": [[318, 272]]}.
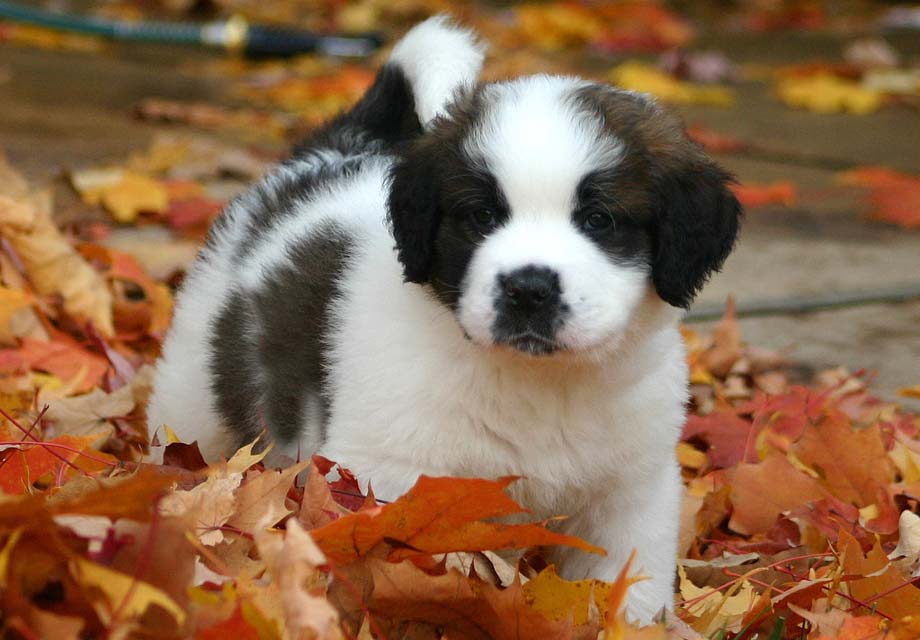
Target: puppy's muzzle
{"points": [[529, 309]]}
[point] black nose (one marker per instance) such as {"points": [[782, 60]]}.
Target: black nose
{"points": [[531, 286]]}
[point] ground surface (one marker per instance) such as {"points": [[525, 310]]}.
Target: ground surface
{"points": [[65, 110]]}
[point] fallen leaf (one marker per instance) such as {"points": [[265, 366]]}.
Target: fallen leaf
{"points": [[260, 498], [825, 93], [439, 515], [471, 608], [52, 264], [893, 195], [714, 610], [124, 193], [212, 503], [123, 595], [292, 561], [62, 357], [760, 195], [760, 492], [559, 599], [638, 76], [27, 463]]}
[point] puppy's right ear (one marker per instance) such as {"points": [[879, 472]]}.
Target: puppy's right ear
{"points": [[414, 211]]}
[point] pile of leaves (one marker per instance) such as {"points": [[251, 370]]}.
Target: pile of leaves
{"points": [[799, 518]]}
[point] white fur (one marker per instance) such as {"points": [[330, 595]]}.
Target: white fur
{"points": [[438, 59], [592, 430]]}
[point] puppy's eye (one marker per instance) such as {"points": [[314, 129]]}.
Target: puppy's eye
{"points": [[484, 218], [597, 221]]}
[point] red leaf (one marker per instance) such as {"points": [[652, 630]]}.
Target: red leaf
{"points": [[760, 195]]}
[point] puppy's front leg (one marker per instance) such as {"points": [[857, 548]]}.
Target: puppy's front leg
{"points": [[643, 517]]}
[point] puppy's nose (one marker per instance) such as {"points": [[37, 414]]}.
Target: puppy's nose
{"points": [[531, 287]]}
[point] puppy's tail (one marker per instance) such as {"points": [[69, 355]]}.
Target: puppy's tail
{"points": [[438, 59], [426, 69]]}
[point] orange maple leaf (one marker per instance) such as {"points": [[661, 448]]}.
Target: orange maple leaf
{"points": [[439, 515]]}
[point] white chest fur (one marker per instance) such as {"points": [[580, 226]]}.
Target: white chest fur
{"points": [[411, 395]]}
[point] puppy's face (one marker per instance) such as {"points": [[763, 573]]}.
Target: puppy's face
{"points": [[544, 211]]}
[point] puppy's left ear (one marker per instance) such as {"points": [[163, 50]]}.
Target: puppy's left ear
{"points": [[414, 211], [698, 222]]}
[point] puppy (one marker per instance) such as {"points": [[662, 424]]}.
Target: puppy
{"points": [[472, 280]]}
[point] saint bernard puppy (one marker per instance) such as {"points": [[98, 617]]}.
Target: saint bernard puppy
{"points": [[467, 279]]}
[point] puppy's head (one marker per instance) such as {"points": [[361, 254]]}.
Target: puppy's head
{"points": [[544, 211]]}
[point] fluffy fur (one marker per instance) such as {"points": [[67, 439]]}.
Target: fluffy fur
{"points": [[470, 280]]}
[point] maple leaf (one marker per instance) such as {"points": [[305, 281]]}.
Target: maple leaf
{"points": [[894, 196], [124, 193], [129, 496], [17, 318], [731, 439], [638, 76], [876, 584], [52, 264], [851, 463], [123, 595], [292, 560], [760, 492], [826, 93], [438, 515], [27, 463], [211, 503], [471, 608], [62, 357], [90, 413], [760, 195], [559, 599], [260, 498], [713, 141]]}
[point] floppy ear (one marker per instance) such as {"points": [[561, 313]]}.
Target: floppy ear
{"points": [[698, 222], [414, 212]]}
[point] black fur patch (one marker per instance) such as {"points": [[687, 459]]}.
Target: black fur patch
{"points": [[671, 188], [268, 349], [293, 310], [621, 194], [433, 183], [233, 366], [385, 116]]}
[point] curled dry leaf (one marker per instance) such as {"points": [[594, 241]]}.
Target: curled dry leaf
{"points": [[292, 560], [50, 261]]}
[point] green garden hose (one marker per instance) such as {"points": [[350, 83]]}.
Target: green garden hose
{"points": [[234, 34]]}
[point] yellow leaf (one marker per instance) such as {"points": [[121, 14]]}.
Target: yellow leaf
{"points": [[691, 457], [124, 193], [15, 306], [906, 460], [53, 266], [639, 76], [557, 598], [910, 392], [171, 436], [826, 93], [5, 554], [714, 610], [125, 594], [245, 458]]}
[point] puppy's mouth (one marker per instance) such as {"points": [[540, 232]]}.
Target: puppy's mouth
{"points": [[532, 343]]}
